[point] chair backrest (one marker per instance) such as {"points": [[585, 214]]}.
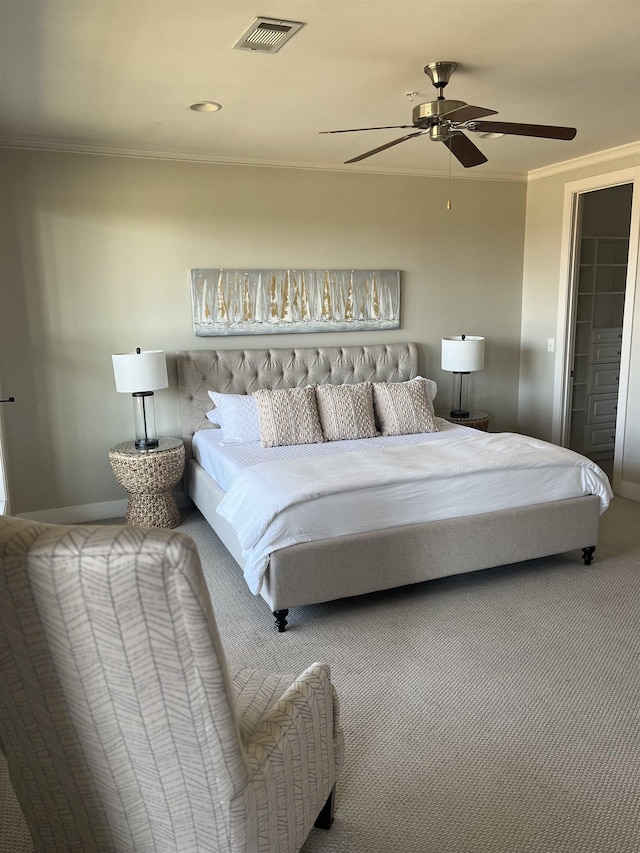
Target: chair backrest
{"points": [[116, 711]]}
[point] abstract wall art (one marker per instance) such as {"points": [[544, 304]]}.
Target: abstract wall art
{"points": [[259, 302]]}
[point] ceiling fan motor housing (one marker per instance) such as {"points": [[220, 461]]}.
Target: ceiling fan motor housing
{"points": [[426, 115]]}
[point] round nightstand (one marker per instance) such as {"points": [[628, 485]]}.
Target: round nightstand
{"points": [[149, 475], [475, 419]]}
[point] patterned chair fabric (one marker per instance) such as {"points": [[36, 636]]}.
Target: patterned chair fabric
{"points": [[121, 724]]}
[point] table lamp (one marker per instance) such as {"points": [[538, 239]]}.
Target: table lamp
{"points": [[140, 374], [462, 355]]}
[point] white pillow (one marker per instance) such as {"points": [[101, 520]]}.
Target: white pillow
{"points": [[237, 416]]}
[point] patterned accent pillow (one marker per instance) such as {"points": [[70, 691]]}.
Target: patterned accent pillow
{"points": [[346, 411], [431, 387], [237, 417], [404, 408], [288, 416]]}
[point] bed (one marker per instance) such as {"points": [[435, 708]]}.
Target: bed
{"points": [[400, 551]]}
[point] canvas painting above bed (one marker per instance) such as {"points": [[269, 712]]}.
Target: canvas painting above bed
{"points": [[259, 302]]}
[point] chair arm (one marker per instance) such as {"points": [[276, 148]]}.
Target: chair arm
{"points": [[296, 752]]}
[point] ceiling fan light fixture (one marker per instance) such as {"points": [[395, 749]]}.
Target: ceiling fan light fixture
{"points": [[267, 35], [205, 107], [439, 133]]}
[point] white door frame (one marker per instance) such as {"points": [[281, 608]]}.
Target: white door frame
{"points": [[5, 506], [566, 297], [4, 497]]}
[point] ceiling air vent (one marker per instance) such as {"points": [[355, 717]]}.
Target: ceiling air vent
{"points": [[267, 35]]}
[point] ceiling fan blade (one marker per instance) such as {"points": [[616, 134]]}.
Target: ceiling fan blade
{"points": [[468, 112], [464, 150], [384, 147], [357, 129], [545, 131]]}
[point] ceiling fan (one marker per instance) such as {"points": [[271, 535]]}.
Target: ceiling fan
{"points": [[445, 120]]}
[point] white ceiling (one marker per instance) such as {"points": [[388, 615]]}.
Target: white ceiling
{"points": [[119, 75]]}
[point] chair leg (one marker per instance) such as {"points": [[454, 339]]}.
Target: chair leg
{"points": [[325, 818]]}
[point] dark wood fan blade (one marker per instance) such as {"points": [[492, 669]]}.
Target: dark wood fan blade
{"points": [[383, 147], [546, 131], [358, 129], [464, 150], [468, 112]]}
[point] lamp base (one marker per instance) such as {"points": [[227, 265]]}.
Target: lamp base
{"points": [[145, 420], [460, 395], [146, 443]]}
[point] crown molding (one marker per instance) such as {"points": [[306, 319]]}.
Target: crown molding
{"points": [[76, 147], [596, 159]]}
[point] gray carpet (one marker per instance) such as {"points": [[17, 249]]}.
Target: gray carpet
{"points": [[496, 712]]}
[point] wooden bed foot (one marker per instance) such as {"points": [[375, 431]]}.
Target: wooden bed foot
{"points": [[281, 620], [587, 554], [325, 818]]}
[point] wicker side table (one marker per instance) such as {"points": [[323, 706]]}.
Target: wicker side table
{"points": [[475, 420], [148, 476]]}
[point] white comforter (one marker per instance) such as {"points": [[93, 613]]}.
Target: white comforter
{"points": [[274, 504]]}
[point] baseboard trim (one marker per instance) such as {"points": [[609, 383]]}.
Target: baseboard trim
{"points": [[86, 513], [629, 490]]}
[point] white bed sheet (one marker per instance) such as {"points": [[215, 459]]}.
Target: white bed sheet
{"points": [[225, 461], [278, 497]]}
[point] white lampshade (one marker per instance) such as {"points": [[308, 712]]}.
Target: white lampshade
{"points": [[140, 371], [463, 353]]}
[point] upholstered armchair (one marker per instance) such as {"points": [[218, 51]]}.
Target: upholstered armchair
{"points": [[122, 726]]}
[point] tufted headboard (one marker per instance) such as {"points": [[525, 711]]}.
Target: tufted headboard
{"points": [[241, 371]]}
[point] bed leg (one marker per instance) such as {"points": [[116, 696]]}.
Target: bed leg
{"points": [[281, 620], [587, 554]]}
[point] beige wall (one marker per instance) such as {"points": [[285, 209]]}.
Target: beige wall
{"points": [[96, 253], [540, 301]]}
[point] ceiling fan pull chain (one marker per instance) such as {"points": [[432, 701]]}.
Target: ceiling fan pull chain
{"points": [[449, 199]]}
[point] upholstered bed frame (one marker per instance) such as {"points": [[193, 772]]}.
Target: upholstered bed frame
{"points": [[312, 572]]}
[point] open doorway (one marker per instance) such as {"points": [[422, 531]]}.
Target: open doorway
{"points": [[626, 438], [600, 276]]}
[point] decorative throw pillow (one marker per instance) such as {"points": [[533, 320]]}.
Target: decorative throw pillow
{"points": [[403, 408], [430, 387], [346, 411], [288, 416], [237, 416]]}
